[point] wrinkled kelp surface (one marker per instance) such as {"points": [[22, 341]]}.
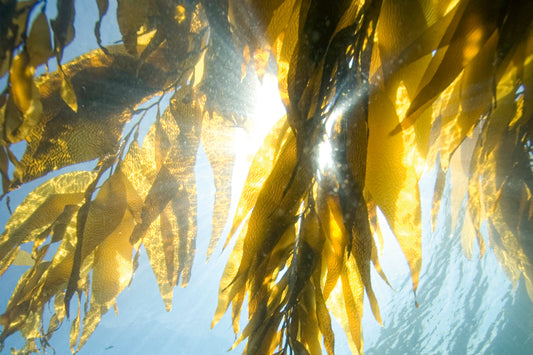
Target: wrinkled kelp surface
{"points": [[387, 89]]}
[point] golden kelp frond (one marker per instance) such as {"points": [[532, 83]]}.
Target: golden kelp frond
{"points": [[259, 170], [141, 169], [112, 272], [392, 181], [24, 114], [346, 276], [168, 187], [505, 197], [187, 109], [46, 210], [376, 92], [14, 19], [457, 89], [96, 93], [282, 203], [438, 191], [450, 50], [274, 212], [218, 141], [468, 32], [24, 108], [151, 195], [171, 22], [496, 167], [49, 210], [125, 207], [95, 129], [287, 309]]}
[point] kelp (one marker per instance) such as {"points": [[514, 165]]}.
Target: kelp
{"points": [[376, 93]]}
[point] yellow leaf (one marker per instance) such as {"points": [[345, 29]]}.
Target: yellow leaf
{"points": [[199, 70], [112, 272], [275, 208], [105, 213], [21, 79], [392, 182], [38, 44], [56, 203], [462, 104], [186, 108], [468, 235], [164, 189], [346, 304], [218, 141], [308, 322], [17, 317], [323, 317], [23, 258], [153, 243], [459, 173], [93, 131], [259, 170], [225, 295], [13, 119], [67, 94], [141, 169], [42, 207], [437, 194], [468, 33]]}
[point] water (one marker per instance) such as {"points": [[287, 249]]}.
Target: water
{"points": [[465, 306]]}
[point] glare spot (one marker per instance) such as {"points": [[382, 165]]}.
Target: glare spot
{"points": [[179, 14], [324, 155], [451, 6], [433, 53], [520, 90], [268, 109], [402, 101]]}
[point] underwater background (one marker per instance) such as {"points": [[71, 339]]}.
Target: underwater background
{"points": [[465, 306]]}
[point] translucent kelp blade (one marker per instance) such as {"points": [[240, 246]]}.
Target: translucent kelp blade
{"points": [[98, 126], [392, 181], [40, 209], [218, 137], [259, 170], [112, 272]]}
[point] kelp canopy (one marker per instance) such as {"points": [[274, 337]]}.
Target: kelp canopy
{"points": [[384, 89]]}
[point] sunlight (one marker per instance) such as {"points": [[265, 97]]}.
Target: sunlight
{"points": [[325, 152], [267, 111], [324, 155]]}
